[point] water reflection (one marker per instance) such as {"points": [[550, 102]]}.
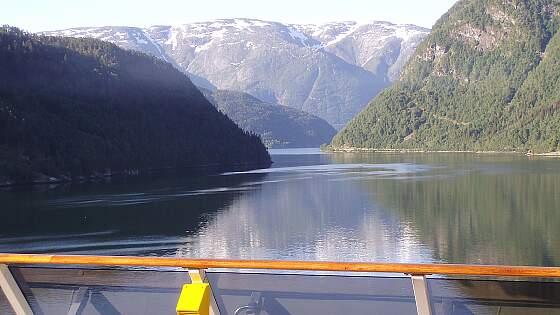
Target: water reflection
{"points": [[490, 210], [460, 208], [311, 213], [135, 217]]}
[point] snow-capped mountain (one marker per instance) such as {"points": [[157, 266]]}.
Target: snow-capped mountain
{"points": [[379, 47], [329, 70]]}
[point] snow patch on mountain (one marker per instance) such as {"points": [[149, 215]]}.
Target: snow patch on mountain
{"points": [[172, 39], [343, 35], [203, 47], [298, 36]]}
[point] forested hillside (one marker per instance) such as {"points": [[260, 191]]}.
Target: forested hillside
{"points": [[73, 108], [279, 126], [487, 78]]}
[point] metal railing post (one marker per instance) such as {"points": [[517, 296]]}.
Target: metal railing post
{"points": [[13, 292], [421, 295], [80, 298], [199, 276]]}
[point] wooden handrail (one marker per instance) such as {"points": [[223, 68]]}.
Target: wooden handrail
{"points": [[414, 269]]}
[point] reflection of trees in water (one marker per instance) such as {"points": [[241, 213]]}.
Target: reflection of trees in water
{"points": [[481, 218], [153, 206], [479, 209]]}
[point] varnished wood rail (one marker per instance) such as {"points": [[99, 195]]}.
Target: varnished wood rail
{"points": [[413, 269]]}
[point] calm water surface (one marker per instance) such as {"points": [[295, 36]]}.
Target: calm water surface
{"points": [[460, 208]]}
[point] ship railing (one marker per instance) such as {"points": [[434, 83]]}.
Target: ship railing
{"points": [[71, 284]]}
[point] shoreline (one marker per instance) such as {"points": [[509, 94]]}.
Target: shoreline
{"points": [[405, 151], [132, 173], [550, 154]]}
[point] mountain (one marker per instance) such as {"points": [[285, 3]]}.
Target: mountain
{"points": [[75, 108], [379, 47], [279, 126], [331, 71], [486, 78]]}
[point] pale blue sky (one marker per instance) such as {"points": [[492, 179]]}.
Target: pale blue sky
{"points": [[43, 15]]}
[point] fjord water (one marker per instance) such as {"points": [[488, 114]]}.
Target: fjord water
{"points": [[458, 208]]}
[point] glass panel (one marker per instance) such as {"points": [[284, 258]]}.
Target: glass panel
{"points": [[285, 294], [100, 291], [5, 308], [474, 297]]}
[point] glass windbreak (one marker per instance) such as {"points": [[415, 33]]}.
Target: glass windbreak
{"points": [[134, 291], [482, 297], [5, 308], [94, 291], [283, 294]]}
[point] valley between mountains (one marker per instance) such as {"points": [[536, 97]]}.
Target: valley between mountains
{"points": [[330, 71]]}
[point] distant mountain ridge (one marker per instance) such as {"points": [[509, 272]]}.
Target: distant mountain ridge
{"points": [[278, 126], [379, 47], [331, 70], [487, 78]]}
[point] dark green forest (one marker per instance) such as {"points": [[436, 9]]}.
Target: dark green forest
{"points": [[76, 108], [279, 126], [487, 78]]}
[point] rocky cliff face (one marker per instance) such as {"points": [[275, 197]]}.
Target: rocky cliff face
{"points": [[380, 47], [329, 70]]}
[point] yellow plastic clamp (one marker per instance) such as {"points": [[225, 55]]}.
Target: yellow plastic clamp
{"points": [[194, 299]]}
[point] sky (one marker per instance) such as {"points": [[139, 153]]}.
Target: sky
{"points": [[45, 15]]}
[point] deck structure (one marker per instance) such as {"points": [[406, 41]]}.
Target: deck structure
{"points": [[103, 283]]}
